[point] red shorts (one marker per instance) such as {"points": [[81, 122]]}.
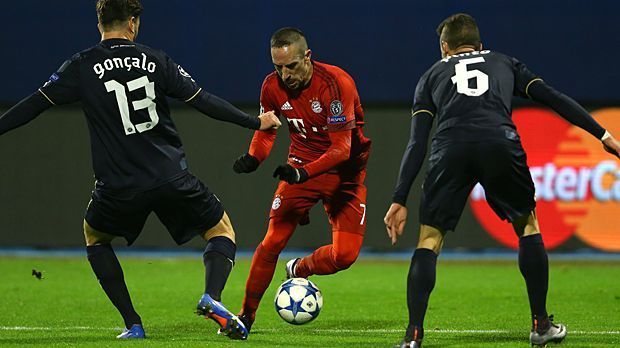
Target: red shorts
{"points": [[344, 201]]}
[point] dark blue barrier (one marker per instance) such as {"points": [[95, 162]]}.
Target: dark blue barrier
{"points": [[386, 45]]}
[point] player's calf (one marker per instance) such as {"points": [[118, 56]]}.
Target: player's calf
{"points": [[344, 259], [332, 258]]}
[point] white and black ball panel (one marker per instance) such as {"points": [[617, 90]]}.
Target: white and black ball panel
{"points": [[298, 301]]}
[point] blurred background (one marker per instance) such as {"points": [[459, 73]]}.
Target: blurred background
{"points": [[46, 175]]}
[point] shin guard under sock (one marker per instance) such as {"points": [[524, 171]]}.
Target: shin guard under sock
{"points": [[218, 258], [420, 284], [534, 266], [110, 275]]}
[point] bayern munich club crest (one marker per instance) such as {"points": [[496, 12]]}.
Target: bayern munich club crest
{"points": [[316, 106], [277, 202], [336, 107]]}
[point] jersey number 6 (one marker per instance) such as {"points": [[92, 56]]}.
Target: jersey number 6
{"points": [[146, 103], [462, 76]]}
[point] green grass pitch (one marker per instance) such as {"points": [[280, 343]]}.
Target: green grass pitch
{"points": [[475, 304]]}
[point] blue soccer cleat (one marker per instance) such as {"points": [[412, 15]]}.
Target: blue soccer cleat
{"points": [[135, 332], [230, 324]]}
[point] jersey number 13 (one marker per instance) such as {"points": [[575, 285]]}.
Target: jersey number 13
{"points": [[146, 103]]}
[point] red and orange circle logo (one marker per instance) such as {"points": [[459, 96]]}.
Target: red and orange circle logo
{"points": [[577, 182]]}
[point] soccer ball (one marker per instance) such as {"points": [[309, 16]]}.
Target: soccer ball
{"points": [[298, 301]]}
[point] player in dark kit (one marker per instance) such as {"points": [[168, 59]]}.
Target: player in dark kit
{"points": [[138, 158], [469, 93]]}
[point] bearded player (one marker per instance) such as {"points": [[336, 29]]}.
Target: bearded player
{"points": [[326, 162]]}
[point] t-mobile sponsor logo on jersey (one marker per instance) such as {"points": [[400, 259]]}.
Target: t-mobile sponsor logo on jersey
{"points": [[577, 183], [126, 63]]}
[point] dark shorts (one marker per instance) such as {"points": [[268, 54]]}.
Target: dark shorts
{"points": [[455, 168], [185, 206]]}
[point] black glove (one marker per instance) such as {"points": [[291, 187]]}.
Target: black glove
{"points": [[305, 219], [290, 174], [246, 163]]}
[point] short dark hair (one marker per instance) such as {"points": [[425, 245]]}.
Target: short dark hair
{"points": [[459, 30], [288, 36], [113, 12]]}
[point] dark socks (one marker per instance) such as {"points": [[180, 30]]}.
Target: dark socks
{"points": [[534, 267], [219, 257], [420, 283], [110, 275]]}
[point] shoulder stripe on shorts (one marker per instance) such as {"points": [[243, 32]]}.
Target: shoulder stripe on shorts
{"points": [[46, 97], [420, 111], [528, 86]]}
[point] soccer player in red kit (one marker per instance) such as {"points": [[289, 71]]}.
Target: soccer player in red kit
{"points": [[326, 162]]}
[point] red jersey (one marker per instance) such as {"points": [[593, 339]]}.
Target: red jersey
{"points": [[330, 103]]}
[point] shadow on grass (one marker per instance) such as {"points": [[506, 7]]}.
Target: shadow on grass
{"points": [[474, 339], [47, 340]]}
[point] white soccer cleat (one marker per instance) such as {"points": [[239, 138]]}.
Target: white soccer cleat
{"points": [[290, 268], [555, 333], [410, 344]]}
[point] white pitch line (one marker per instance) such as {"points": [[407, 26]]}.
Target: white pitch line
{"points": [[67, 328], [448, 331]]}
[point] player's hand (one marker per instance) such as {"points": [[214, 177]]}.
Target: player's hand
{"points": [[269, 120], [395, 220], [612, 146], [290, 174], [246, 163]]}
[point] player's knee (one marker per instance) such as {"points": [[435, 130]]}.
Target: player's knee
{"points": [[223, 228], [526, 225], [265, 254], [431, 238], [94, 237], [280, 230], [273, 245], [434, 244], [346, 259]]}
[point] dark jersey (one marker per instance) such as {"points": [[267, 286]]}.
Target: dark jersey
{"points": [[123, 87], [470, 95]]}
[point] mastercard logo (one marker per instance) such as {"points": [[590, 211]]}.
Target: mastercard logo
{"points": [[577, 182]]}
